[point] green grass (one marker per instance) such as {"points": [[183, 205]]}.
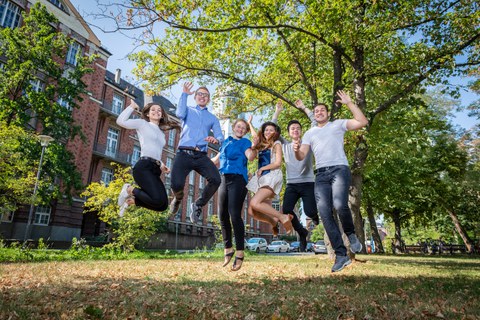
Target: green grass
{"points": [[267, 287]]}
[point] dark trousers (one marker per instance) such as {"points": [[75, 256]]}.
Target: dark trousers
{"points": [[231, 196], [152, 194], [294, 192], [184, 163], [331, 191]]}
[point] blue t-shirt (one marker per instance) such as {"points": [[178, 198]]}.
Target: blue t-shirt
{"points": [[232, 156]]}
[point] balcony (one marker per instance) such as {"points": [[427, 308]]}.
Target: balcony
{"points": [[104, 151], [111, 109]]}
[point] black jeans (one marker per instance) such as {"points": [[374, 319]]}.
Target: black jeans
{"points": [[152, 194], [231, 196], [306, 192], [184, 163]]}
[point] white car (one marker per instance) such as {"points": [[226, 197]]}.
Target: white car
{"points": [[257, 244], [278, 246]]}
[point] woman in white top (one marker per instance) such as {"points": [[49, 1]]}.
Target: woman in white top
{"points": [[151, 193], [267, 182]]}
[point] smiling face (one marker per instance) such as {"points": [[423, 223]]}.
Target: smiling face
{"points": [[202, 96], [240, 128], [295, 131], [155, 113], [269, 132], [321, 114]]}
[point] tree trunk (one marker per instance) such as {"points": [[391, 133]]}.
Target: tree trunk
{"points": [[373, 228], [397, 245], [461, 231]]}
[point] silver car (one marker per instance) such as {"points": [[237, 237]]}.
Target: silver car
{"points": [[319, 247], [257, 244]]}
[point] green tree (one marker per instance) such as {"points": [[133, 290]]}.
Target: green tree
{"points": [[380, 51], [33, 54], [137, 225]]}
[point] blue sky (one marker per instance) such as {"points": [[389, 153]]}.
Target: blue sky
{"points": [[120, 46]]}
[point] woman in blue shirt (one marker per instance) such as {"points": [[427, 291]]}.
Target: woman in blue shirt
{"points": [[233, 158]]}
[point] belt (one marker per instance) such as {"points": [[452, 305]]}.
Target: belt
{"points": [[157, 162], [191, 150], [322, 169]]}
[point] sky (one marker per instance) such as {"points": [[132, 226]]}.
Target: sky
{"points": [[120, 46]]}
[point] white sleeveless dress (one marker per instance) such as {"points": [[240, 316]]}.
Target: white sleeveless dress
{"points": [[273, 179]]}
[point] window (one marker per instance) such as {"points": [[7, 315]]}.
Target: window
{"points": [[9, 14], [167, 176], [37, 85], [135, 154], [73, 52], [276, 205], [107, 175], [189, 201], [42, 215], [112, 142], [191, 178], [117, 103], [202, 183], [58, 4], [7, 216], [64, 103], [210, 210], [171, 137], [213, 154]]}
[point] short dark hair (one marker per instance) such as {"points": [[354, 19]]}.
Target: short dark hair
{"points": [[293, 122], [321, 104]]}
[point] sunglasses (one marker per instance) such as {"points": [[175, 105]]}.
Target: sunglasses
{"points": [[203, 94]]}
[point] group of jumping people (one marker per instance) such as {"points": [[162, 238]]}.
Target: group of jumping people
{"points": [[322, 187]]}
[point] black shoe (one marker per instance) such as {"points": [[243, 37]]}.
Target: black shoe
{"points": [[303, 240], [174, 206]]}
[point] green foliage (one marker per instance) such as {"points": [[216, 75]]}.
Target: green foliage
{"points": [[317, 233], [137, 224]]}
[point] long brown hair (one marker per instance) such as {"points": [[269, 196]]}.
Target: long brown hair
{"points": [[165, 123], [264, 143]]}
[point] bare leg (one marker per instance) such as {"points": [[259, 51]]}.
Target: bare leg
{"points": [[261, 203]]}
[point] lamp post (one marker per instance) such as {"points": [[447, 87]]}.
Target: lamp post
{"points": [[44, 142]]}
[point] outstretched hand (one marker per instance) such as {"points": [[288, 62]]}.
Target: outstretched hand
{"points": [[165, 169], [134, 105], [279, 106], [299, 104], [187, 88], [250, 118], [344, 98]]}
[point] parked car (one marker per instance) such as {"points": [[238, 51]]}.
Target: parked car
{"points": [[319, 247], [278, 246], [257, 244], [295, 246], [309, 247]]}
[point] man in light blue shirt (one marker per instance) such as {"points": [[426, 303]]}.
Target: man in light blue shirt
{"points": [[197, 124]]}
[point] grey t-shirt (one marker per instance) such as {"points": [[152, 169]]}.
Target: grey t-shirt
{"points": [[297, 171], [327, 143]]}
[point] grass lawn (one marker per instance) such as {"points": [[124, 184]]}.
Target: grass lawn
{"points": [[267, 287]]}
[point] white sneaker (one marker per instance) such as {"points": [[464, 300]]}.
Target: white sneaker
{"points": [[123, 207], [122, 197]]}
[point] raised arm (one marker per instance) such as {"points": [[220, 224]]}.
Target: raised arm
{"points": [[300, 106], [124, 120], [278, 110], [251, 153], [252, 128], [359, 120], [181, 111]]}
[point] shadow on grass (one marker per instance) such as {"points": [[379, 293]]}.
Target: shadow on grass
{"points": [[267, 293]]}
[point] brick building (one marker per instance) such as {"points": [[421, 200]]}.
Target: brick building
{"points": [[106, 142]]}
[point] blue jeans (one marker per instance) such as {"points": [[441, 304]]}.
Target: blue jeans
{"points": [[331, 191]]}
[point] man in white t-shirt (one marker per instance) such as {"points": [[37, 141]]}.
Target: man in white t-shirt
{"points": [[332, 174]]}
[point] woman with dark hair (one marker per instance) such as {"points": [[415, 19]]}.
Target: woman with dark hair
{"points": [[151, 193], [267, 181], [233, 158]]}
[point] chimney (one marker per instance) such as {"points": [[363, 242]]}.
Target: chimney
{"points": [[118, 74]]}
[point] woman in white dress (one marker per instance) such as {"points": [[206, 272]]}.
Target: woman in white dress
{"points": [[267, 181], [150, 193]]}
